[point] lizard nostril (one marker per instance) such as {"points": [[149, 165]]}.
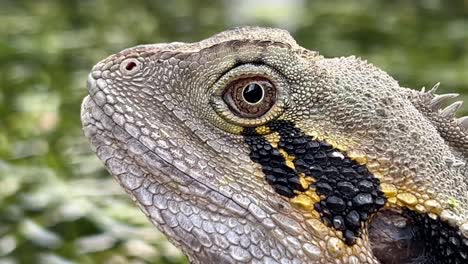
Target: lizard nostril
{"points": [[130, 66]]}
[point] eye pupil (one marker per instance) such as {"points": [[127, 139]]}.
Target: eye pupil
{"points": [[130, 66], [253, 93]]}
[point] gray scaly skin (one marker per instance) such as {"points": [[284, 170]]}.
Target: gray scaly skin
{"points": [[156, 117]]}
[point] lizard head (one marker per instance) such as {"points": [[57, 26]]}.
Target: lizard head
{"points": [[246, 147]]}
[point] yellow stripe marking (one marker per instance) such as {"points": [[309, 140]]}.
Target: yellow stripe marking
{"points": [[263, 130], [273, 139], [288, 159]]}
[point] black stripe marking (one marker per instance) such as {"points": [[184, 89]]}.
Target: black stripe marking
{"points": [[282, 178], [443, 242], [349, 192]]}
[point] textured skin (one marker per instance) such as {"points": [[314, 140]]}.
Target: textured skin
{"points": [[185, 163]]}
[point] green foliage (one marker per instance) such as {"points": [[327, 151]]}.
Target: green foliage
{"points": [[57, 204]]}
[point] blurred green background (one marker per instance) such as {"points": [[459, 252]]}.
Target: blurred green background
{"points": [[57, 204]]}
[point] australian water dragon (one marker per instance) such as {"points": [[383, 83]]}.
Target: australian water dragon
{"points": [[247, 148]]}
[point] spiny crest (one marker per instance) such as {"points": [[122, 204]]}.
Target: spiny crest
{"points": [[449, 111]]}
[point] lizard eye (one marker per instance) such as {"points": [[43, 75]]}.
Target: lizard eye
{"points": [[250, 97]]}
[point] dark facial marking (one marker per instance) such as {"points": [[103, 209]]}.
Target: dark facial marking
{"points": [[282, 178], [349, 192]]}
